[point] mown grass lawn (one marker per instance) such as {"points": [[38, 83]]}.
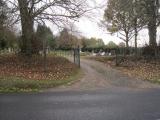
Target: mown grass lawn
{"points": [[16, 76]]}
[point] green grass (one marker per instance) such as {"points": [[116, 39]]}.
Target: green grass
{"points": [[61, 53], [16, 84], [158, 81], [84, 54], [101, 58], [154, 80]]}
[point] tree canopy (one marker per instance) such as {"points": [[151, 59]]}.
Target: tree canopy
{"points": [[129, 17], [66, 40], [43, 34], [111, 44], [93, 43], [59, 12]]}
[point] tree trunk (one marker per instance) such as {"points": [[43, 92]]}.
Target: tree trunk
{"points": [[152, 28], [27, 24], [136, 34], [127, 44]]}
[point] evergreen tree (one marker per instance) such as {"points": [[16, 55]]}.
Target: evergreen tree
{"points": [[45, 36]]}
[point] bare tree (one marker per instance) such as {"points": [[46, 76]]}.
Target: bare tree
{"points": [[125, 21], [56, 11], [118, 19]]}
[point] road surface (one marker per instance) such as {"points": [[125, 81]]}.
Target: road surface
{"points": [[102, 94]]}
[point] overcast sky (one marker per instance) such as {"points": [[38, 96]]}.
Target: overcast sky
{"points": [[89, 27]]}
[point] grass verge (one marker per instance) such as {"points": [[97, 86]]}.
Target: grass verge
{"points": [[16, 84], [16, 75]]}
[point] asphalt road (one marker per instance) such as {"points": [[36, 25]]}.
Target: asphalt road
{"points": [[102, 94], [108, 104]]}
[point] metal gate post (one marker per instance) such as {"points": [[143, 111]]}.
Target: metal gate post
{"points": [[79, 61], [74, 55]]}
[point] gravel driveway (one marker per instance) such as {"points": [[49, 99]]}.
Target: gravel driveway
{"points": [[99, 76]]}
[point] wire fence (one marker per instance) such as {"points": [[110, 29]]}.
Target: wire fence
{"points": [[41, 59], [123, 54], [139, 52]]}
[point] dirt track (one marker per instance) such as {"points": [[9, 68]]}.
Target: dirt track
{"points": [[99, 76]]}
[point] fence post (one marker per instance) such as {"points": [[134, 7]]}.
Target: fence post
{"points": [[79, 62], [117, 57], [74, 55], [45, 55]]}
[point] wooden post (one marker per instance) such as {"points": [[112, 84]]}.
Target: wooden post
{"points": [[117, 57], [44, 55], [74, 55], [79, 62]]}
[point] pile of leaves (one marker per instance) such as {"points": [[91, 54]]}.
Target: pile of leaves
{"points": [[58, 68], [144, 69]]}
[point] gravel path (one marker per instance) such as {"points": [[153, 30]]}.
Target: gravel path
{"points": [[99, 76]]}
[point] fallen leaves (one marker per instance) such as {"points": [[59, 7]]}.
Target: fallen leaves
{"points": [[143, 69], [57, 67]]}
